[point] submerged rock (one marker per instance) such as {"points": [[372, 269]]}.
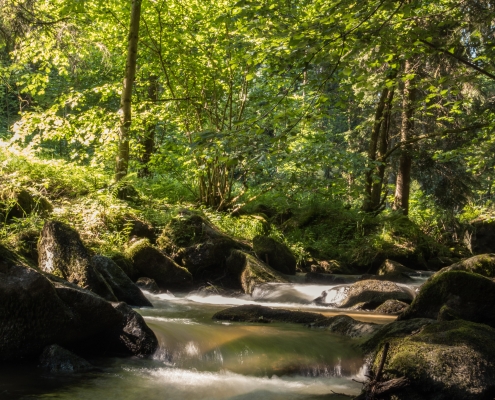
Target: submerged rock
{"points": [[277, 255], [152, 263], [455, 294], [243, 271], [36, 311], [255, 313], [340, 324], [57, 360], [451, 360], [123, 288], [62, 253], [483, 264]]}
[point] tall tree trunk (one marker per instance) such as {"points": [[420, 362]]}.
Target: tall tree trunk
{"points": [[367, 206], [122, 161], [403, 183], [376, 192], [149, 139]]}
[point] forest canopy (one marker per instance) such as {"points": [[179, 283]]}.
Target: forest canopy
{"points": [[355, 102]]}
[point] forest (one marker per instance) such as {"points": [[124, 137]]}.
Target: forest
{"points": [[247, 199]]}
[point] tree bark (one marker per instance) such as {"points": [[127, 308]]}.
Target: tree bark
{"points": [[149, 139], [122, 161], [403, 183], [376, 190], [367, 205]]}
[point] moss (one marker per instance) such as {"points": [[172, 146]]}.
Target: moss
{"points": [[136, 247], [446, 360], [470, 297], [483, 264]]}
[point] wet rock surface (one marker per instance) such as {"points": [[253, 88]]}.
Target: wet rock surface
{"points": [[57, 360], [367, 294], [148, 284], [36, 311], [341, 324], [393, 307], [122, 286]]}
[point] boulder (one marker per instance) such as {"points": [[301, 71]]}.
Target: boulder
{"points": [[396, 329], [329, 267], [347, 326], [393, 267], [369, 294], [391, 307], [152, 263], [277, 255], [126, 265], [62, 253], [57, 360], [19, 203], [148, 284], [455, 294], [123, 288], [451, 360], [243, 271], [134, 336], [483, 264], [436, 263], [483, 236], [38, 309], [207, 260]]}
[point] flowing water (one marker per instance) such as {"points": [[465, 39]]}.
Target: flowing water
{"points": [[200, 358]]}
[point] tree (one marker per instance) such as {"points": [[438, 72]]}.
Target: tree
{"points": [[122, 161]]}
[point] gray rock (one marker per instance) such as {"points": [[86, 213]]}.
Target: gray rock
{"points": [[277, 255], [62, 253], [123, 288], [243, 271], [148, 284], [455, 294], [373, 293], [57, 360], [36, 311], [152, 263], [392, 307]]}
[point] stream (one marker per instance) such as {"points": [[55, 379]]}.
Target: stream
{"points": [[199, 358]]}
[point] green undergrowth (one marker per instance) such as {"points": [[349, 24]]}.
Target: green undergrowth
{"points": [[315, 228]]}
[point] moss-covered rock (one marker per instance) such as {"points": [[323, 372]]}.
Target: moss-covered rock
{"points": [[277, 255], [152, 263], [62, 253], [468, 296], [483, 236], [483, 264], [243, 271], [452, 360], [122, 286], [392, 307], [393, 267], [19, 203], [373, 293], [126, 265]]}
